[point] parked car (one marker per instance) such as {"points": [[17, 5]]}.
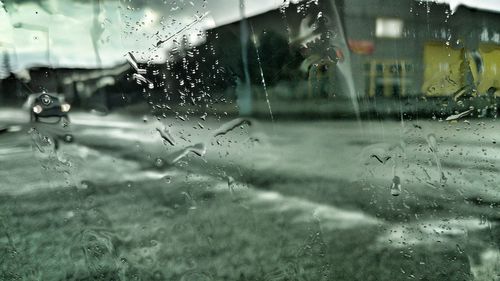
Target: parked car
{"points": [[45, 108]]}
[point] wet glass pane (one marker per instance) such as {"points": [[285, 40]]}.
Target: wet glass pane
{"points": [[249, 140]]}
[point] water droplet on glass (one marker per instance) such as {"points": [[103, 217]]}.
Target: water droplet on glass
{"points": [[166, 136], [396, 186], [167, 179], [159, 162], [431, 141], [231, 125], [198, 149], [68, 138], [459, 115], [84, 185], [230, 184], [40, 141]]}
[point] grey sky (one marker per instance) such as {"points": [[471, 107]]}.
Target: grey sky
{"points": [[136, 27], [491, 5]]}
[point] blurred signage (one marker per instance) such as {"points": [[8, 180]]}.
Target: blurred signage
{"points": [[388, 28], [361, 47]]}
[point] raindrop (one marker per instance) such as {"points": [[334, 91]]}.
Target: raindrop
{"points": [[84, 184], [431, 141], [40, 141], [231, 125], [189, 200], [159, 162], [133, 62], [198, 149], [230, 184], [167, 179], [166, 136], [263, 80], [46, 100], [380, 159], [68, 138], [396, 186], [141, 79], [459, 115]]}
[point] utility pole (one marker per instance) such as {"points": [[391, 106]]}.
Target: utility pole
{"points": [[244, 87], [5, 70]]}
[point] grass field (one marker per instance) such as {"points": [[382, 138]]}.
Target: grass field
{"points": [[299, 204]]}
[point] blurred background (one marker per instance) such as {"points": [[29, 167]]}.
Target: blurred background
{"points": [[403, 51]]}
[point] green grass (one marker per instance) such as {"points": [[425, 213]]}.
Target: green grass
{"points": [[151, 231], [187, 230]]}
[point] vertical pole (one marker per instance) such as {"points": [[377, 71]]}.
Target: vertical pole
{"points": [[403, 78], [372, 77], [244, 90], [386, 78]]}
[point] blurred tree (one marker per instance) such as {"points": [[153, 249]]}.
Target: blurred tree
{"points": [[5, 66], [5, 70], [275, 56]]}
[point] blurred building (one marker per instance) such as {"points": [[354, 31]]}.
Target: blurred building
{"points": [[82, 87], [395, 48], [405, 48], [398, 48]]}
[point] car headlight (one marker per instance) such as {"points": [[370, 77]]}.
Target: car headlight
{"points": [[65, 107], [37, 109]]}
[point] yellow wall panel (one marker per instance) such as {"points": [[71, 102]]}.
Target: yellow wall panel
{"points": [[443, 69], [491, 67]]}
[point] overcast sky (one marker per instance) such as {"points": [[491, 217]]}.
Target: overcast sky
{"points": [[58, 32], [136, 27], [492, 5]]}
